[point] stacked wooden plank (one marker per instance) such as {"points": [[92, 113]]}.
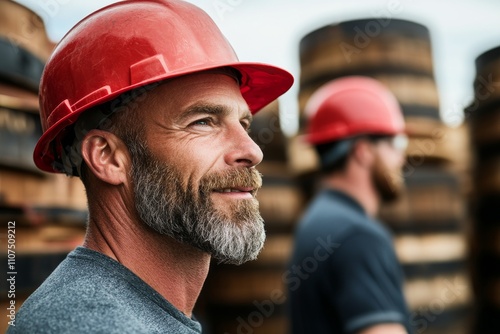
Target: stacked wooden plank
{"points": [[483, 117]]}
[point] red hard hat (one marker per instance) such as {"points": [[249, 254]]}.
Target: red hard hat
{"points": [[352, 106], [130, 44]]}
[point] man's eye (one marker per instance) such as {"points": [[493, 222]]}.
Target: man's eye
{"points": [[246, 126], [204, 121]]}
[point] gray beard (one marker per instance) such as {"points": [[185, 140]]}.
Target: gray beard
{"points": [[190, 217]]}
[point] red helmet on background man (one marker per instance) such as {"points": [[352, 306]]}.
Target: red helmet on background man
{"points": [[352, 106], [347, 108]]}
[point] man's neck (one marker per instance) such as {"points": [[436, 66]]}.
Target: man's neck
{"points": [[175, 270], [359, 188]]}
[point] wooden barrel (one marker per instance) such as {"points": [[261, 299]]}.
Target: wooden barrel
{"points": [[486, 87], [483, 115], [485, 211], [487, 177], [19, 66], [431, 247], [21, 26], [484, 257], [485, 275], [19, 132], [395, 52], [486, 320], [21, 183], [485, 127], [24, 46], [12, 97], [351, 47]]}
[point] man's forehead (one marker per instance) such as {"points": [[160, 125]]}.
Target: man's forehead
{"points": [[208, 92]]}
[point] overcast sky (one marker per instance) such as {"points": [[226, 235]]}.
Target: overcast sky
{"points": [[270, 30]]}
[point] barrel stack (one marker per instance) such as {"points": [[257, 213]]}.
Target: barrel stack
{"points": [[251, 298], [49, 211], [483, 117], [428, 220]]}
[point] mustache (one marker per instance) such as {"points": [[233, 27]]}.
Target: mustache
{"points": [[232, 178]]}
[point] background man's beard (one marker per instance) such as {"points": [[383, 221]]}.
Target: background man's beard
{"points": [[389, 183], [234, 236]]}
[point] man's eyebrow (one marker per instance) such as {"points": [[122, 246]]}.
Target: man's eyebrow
{"points": [[212, 109], [203, 109]]}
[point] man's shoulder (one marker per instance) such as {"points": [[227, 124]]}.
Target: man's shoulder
{"points": [[85, 295], [82, 277], [337, 220], [335, 209], [74, 296], [339, 214]]}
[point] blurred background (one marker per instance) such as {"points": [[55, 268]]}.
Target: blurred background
{"points": [[440, 58]]}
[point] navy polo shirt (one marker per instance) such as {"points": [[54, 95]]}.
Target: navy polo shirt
{"points": [[344, 275]]}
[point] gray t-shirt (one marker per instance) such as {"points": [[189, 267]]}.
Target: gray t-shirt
{"points": [[91, 293]]}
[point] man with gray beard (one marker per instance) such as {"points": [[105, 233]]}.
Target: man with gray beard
{"points": [[153, 117]]}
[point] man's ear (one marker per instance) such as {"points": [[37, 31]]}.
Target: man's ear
{"points": [[363, 152], [106, 156]]}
